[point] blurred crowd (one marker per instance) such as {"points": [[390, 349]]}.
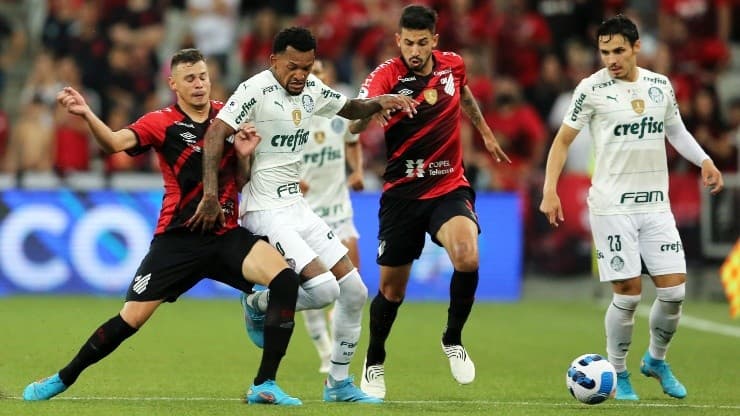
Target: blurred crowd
{"points": [[523, 58]]}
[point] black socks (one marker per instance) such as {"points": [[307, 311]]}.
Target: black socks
{"points": [[382, 315], [101, 343], [462, 297], [278, 323]]}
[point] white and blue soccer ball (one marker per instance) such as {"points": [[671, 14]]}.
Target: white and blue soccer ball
{"points": [[591, 379]]}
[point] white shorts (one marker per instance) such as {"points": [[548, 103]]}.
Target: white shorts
{"points": [[622, 240], [345, 229], [297, 233]]}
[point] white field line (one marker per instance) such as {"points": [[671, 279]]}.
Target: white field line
{"points": [[676, 405], [699, 324]]}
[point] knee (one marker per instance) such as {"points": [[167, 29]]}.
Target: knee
{"points": [[673, 294], [353, 291], [321, 290], [464, 256]]}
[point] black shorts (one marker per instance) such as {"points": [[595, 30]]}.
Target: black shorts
{"points": [[403, 223], [177, 260]]}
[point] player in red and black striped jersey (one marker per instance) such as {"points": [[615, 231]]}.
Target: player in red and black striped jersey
{"points": [[425, 189], [182, 252]]}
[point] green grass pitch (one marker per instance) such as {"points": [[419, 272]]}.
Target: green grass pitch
{"points": [[193, 358]]}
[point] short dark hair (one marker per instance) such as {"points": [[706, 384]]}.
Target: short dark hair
{"points": [[187, 56], [299, 38], [618, 25], [418, 17]]}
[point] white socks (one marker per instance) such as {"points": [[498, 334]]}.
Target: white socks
{"points": [[619, 322], [664, 316], [347, 323]]}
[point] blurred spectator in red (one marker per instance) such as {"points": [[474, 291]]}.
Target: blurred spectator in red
{"points": [[571, 21], [464, 23], [480, 76], [697, 31], [331, 24], [213, 24], [256, 45], [375, 41], [30, 148], [119, 117], [521, 37], [521, 133], [71, 137]]}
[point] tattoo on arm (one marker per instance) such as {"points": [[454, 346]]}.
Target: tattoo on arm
{"points": [[470, 107], [213, 149], [360, 108]]}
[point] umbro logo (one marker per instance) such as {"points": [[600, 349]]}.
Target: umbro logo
{"points": [[406, 92], [189, 137], [141, 282]]}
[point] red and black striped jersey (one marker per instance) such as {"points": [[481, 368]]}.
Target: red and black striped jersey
{"points": [[178, 141], [424, 152]]}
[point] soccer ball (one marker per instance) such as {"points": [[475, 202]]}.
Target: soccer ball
{"points": [[591, 379]]}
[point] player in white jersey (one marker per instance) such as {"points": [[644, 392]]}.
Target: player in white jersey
{"points": [[630, 111], [324, 184], [280, 102]]}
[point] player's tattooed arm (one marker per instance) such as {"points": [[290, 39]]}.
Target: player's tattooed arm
{"points": [[471, 109], [209, 212]]}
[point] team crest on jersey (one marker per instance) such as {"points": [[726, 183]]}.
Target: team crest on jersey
{"points": [[337, 125], [308, 105], [617, 263], [296, 117], [319, 136], [638, 105], [430, 96], [656, 95]]}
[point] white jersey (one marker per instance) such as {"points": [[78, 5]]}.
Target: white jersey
{"points": [[628, 122], [283, 121], [324, 168]]}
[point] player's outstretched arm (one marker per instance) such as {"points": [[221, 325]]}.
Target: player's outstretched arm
{"points": [[107, 139], [550, 205], [209, 211], [360, 108], [471, 109]]}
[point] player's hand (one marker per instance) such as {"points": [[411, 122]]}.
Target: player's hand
{"points": [[711, 177], [73, 101], [207, 214], [246, 140], [550, 206], [382, 117], [304, 186], [495, 149], [356, 181], [398, 102]]}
